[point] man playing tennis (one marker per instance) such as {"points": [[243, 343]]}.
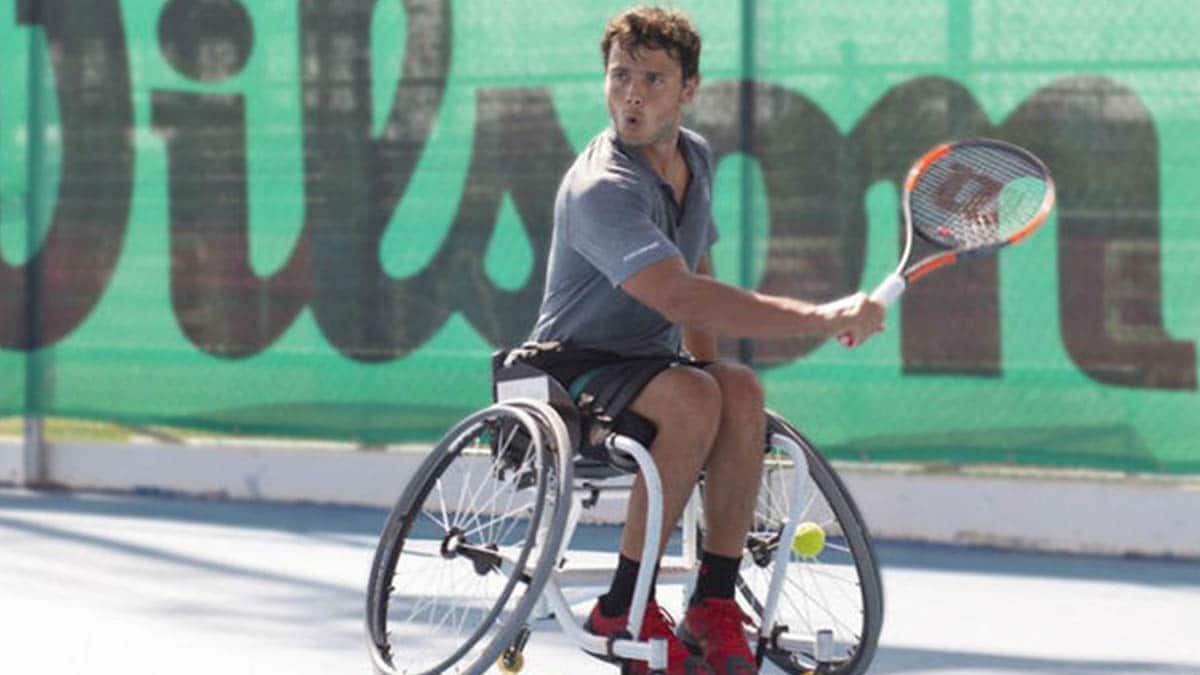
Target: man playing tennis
{"points": [[630, 299]]}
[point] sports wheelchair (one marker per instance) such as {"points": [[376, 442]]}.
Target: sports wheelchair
{"points": [[477, 548]]}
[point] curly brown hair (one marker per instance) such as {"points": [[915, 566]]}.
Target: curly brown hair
{"points": [[655, 28]]}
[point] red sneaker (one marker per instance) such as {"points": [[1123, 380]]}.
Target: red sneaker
{"points": [[656, 624], [713, 626]]}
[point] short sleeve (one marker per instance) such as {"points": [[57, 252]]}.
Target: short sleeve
{"points": [[707, 157], [711, 235], [609, 223]]}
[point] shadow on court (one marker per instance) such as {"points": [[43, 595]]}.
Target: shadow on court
{"points": [[153, 505], [1163, 572]]}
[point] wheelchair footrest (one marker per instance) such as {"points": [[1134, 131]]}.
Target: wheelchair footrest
{"points": [[623, 649]]}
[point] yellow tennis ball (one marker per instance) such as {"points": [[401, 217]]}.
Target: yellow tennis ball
{"points": [[809, 540]]}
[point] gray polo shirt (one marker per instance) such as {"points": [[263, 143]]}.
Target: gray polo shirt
{"points": [[613, 216]]}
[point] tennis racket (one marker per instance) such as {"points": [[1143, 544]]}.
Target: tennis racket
{"points": [[966, 199]]}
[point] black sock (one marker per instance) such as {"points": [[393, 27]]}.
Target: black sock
{"points": [[620, 594], [717, 578]]}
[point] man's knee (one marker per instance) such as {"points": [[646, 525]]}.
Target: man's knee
{"points": [[741, 391]]}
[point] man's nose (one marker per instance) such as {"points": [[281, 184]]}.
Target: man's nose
{"points": [[633, 94]]}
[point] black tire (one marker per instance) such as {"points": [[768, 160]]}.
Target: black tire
{"points": [[476, 531]]}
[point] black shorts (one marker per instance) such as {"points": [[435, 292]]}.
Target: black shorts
{"points": [[602, 385], [605, 383]]}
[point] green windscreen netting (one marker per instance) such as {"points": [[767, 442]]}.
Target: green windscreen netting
{"points": [[318, 218]]}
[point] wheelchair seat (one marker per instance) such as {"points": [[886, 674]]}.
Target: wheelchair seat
{"points": [[594, 459]]}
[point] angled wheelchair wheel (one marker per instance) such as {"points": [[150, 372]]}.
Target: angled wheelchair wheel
{"points": [[469, 545], [829, 605]]}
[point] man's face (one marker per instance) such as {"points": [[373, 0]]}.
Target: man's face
{"points": [[646, 93]]}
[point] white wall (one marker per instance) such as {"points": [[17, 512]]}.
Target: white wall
{"points": [[1023, 509]]}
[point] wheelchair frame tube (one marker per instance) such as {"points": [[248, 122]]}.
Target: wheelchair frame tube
{"points": [[654, 520], [801, 489]]}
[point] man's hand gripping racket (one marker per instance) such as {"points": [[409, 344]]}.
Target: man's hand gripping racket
{"points": [[968, 199]]}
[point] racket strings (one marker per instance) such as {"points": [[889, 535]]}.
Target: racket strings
{"points": [[976, 196]]}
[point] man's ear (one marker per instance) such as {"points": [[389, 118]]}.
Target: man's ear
{"points": [[690, 87]]}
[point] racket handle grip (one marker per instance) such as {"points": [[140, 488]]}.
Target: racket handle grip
{"points": [[885, 294], [890, 290]]}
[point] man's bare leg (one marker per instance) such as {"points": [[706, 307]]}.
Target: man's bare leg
{"points": [[713, 621], [734, 468], [685, 404]]}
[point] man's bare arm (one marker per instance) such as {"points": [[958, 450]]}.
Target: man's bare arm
{"points": [[700, 303]]}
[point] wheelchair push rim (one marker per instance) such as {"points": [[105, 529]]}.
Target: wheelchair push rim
{"points": [[470, 543]]}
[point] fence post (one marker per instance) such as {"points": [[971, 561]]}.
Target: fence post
{"points": [[33, 460], [746, 134]]}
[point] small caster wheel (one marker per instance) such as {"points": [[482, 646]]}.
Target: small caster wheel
{"points": [[510, 663], [512, 659]]}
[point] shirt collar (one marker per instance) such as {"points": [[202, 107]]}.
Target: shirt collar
{"points": [[637, 158]]}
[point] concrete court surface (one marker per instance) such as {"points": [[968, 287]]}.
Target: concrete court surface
{"points": [[150, 584]]}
